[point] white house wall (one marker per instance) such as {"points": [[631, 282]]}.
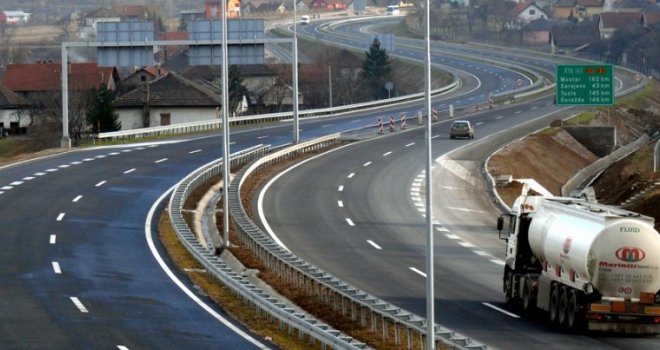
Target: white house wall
{"points": [[132, 118], [8, 116]]}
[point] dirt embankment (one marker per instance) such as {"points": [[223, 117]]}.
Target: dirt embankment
{"points": [[552, 156]]}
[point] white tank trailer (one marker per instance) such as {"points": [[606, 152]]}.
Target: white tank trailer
{"points": [[590, 266]]}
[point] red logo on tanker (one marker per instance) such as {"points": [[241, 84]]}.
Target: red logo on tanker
{"points": [[630, 254], [567, 245]]}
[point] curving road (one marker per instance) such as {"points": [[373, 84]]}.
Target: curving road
{"points": [[78, 266]]}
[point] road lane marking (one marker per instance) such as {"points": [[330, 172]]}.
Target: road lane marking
{"points": [[350, 175], [262, 137], [517, 112], [466, 210], [100, 183], [129, 171], [195, 151], [192, 295], [6, 188], [75, 163], [113, 153], [100, 156], [340, 189], [79, 305], [39, 174], [64, 166], [56, 267], [478, 123], [387, 154], [340, 204], [326, 125], [500, 310], [350, 222], [60, 217], [452, 236], [480, 253], [160, 160], [535, 107], [441, 228], [497, 261], [435, 137], [373, 244], [121, 347], [500, 117], [466, 244], [51, 170], [53, 239], [366, 164], [77, 198], [88, 159], [410, 144], [28, 178], [16, 183], [415, 270]]}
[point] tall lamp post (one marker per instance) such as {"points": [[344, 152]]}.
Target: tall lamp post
{"points": [[430, 298], [296, 135], [225, 128]]}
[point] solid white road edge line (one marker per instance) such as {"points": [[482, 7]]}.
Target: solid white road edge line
{"points": [[170, 274], [500, 310]]}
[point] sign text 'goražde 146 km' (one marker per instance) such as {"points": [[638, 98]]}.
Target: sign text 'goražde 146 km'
{"points": [[585, 84]]}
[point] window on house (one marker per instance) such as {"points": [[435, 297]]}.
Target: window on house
{"points": [[164, 119], [532, 12]]}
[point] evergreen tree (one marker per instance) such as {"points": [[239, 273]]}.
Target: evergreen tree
{"points": [[102, 115], [376, 70], [236, 89]]}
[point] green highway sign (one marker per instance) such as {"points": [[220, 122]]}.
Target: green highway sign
{"points": [[585, 84]]}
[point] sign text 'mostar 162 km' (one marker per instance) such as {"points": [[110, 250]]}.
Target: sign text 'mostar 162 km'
{"points": [[585, 84]]}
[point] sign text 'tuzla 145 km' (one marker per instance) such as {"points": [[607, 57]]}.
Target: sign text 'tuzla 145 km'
{"points": [[585, 84]]}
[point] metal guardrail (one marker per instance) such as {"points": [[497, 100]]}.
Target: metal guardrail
{"points": [[350, 300], [239, 284], [264, 118]]}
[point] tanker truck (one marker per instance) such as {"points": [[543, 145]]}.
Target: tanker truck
{"points": [[586, 266]]}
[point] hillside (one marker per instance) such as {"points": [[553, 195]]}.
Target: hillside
{"points": [[552, 156]]}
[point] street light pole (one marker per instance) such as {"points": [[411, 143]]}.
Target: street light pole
{"points": [[296, 135], [430, 297], [225, 128]]}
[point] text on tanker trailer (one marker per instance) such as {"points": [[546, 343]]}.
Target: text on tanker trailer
{"points": [[590, 266]]}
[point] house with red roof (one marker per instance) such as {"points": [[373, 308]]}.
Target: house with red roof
{"points": [[610, 22], [12, 111], [525, 13], [169, 99], [31, 80]]}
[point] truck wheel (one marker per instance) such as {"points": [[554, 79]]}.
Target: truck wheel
{"points": [[554, 304], [563, 307], [575, 316], [528, 297], [508, 286]]}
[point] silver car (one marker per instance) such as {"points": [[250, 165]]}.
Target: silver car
{"points": [[461, 128]]}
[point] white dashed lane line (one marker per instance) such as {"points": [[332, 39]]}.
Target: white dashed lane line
{"points": [[100, 183], [113, 153], [497, 261], [410, 144], [39, 174], [129, 171], [53, 239], [452, 236], [466, 244], [373, 244], [350, 175], [160, 160], [75, 200], [51, 170], [28, 178], [326, 125], [121, 347], [75, 163], [195, 151], [56, 267], [340, 204], [386, 154], [340, 188], [16, 183], [350, 222], [60, 217], [366, 164], [64, 166], [79, 305], [417, 271], [501, 310]]}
